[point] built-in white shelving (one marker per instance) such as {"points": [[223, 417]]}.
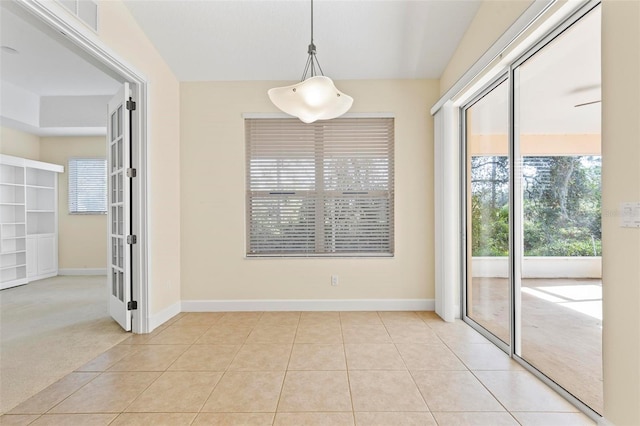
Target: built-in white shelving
{"points": [[28, 220]]}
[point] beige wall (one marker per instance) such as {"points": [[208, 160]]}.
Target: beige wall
{"points": [[82, 239], [620, 183], [119, 31], [213, 200], [493, 18], [19, 144]]}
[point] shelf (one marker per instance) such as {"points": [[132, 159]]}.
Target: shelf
{"points": [[12, 223], [14, 252], [11, 204], [11, 184], [14, 237], [41, 211], [13, 266]]}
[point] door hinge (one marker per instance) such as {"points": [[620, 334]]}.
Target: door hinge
{"points": [[131, 173], [132, 239], [131, 105], [132, 305]]}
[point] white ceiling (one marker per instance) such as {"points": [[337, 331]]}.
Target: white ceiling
{"points": [[46, 65], [267, 40], [49, 86]]}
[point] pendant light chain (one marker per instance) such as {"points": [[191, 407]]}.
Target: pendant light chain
{"points": [[312, 61]]}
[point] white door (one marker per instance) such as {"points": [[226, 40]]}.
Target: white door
{"points": [[119, 204], [47, 254], [32, 256]]}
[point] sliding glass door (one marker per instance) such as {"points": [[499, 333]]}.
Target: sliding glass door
{"points": [[487, 168], [533, 275]]}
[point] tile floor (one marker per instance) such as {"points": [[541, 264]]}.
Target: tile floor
{"points": [[292, 368], [561, 332]]}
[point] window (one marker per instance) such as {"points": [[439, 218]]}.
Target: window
{"points": [[87, 186], [320, 189]]}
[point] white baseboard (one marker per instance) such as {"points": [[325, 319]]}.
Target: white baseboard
{"points": [[163, 316], [308, 305], [82, 271]]}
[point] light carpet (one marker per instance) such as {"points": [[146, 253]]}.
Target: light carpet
{"points": [[49, 328]]}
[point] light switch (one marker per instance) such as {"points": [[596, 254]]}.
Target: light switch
{"points": [[630, 215]]}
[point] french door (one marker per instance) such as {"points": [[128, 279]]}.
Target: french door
{"points": [[532, 195], [119, 205]]}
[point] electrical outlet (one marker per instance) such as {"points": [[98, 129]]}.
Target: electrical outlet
{"points": [[334, 280]]}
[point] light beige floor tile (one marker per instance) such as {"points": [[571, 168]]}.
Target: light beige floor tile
{"points": [[263, 357], [74, 419], [373, 357], [234, 419], [319, 333], [315, 391], [206, 358], [360, 318], [317, 357], [429, 357], [324, 318], [179, 335], [17, 419], [272, 334], [44, 400], [413, 333], [142, 339], [108, 358], [223, 334], [521, 391], [399, 318], [176, 392], [282, 319], [385, 391], [484, 356], [242, 319], [454, 391], [397, 418], [107, 393], [314, 419], [199, 318], [365, 333], [155, 419], [150, 358], [453, 333], [553, 419], [240, 391], [475, 419], [429, 316]]}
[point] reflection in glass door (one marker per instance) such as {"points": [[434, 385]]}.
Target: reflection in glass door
{"points": [[533, 189], [557, 93], [487, 171]]}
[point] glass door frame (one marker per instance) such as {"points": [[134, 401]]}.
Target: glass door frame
{"points": [[507, 73], [500, 79]]}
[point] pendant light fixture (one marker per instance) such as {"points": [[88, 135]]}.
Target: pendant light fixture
{"points": [[314, 98]]}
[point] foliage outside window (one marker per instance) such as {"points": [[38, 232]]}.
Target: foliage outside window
{"points": [[87, 186], [321, 189], [561, 206]]}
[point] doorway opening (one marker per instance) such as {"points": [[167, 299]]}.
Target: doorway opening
{"points": [[86, 54]]}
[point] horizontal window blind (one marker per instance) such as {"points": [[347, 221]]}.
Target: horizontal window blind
{"points": [[88, 185], [324, 188]]}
